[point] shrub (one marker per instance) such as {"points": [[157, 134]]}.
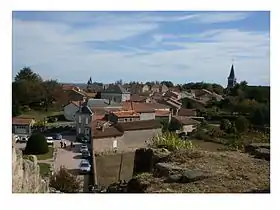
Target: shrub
{"points": [[36, 145], [171, 142], [65, 182], [242, 124], [216, 132], [234, 142], [225, 125], [201, 135]]}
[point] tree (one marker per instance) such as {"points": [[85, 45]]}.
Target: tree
{"points": [[16, 110], [52, 91], [65, 182], [225, 125], [36, 145], [167, 83], [27, 74], [241, 124]]}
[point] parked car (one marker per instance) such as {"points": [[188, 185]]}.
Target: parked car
{"points": [[57, 136], [83, 148], [83, 138], [50, 140], [84, 166], [85, 154], [22, 138]]}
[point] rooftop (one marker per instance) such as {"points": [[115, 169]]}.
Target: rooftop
{"points": [[21, 121]]}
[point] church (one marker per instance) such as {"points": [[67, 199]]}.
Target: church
{"points": [[231, 78]]}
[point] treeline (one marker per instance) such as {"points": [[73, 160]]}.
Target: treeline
{"points": [[30, 91], [250, 101]]}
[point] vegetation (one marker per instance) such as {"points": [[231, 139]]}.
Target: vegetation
{"points": [[171, 141], [36, 145], [31, 92], [47, 155], [44, 169], [65, 182]]}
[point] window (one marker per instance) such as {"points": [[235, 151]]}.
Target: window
{"points": [[86, 120], [125, 119], [80, 119], [130, 119]]}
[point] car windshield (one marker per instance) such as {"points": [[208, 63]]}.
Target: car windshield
{"points": [[84, 165], [84, 147]]}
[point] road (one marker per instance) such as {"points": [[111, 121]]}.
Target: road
{"points": [[68, 157]]}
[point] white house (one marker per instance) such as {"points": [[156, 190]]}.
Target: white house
{"points": [[70, 110]]}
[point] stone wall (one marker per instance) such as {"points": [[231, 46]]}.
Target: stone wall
{"points": [[26, 174]]}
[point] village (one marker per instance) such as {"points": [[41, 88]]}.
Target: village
{"points": [[98, 129]]}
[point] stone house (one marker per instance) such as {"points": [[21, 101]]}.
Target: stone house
{"points": [[115, 93], [70, 110], [22, 126], [145, 88], [123, 116], [187, 124], [155, 88], [163, 88], [125, 136], [83, 118], [145, 112]]}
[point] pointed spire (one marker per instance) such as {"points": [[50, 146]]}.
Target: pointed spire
{"points": [[89, 81], [231, 75]]}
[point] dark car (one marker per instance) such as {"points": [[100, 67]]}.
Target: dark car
{"points": [[57, 136], [85, 154], [83, 138]]}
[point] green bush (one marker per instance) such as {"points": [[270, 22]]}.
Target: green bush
{"points": [[234, 142], [216, 132], [171, 142], [242, 124], [201, 135], [36, 145], [225, 125]]}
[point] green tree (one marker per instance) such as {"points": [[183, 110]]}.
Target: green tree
{"points": [[36, 144], [27, 74], [16, 110], [242, 124], [225, 125], [65, 182], [167, 83]]}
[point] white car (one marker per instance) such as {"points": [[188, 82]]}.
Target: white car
{"points": [[23, 138], [49, 140], [84, 166]]}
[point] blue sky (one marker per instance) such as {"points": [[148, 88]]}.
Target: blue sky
{"points": [[143, 46]]}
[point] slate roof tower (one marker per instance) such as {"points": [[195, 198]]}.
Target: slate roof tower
{"points": [[231, 78]]}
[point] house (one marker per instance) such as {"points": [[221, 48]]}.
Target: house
{"points": [[188, 124], [124, 136], [22, 126], [103, 103], [145, 112], [137, 98], [145, 88], [115, 93], [123, 116], [187, 112], [155, 88], [162, 112], [83, 118], [163, 88], [70, 110]]}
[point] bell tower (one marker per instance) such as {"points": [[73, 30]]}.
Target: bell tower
{"points": [[231, 78]]}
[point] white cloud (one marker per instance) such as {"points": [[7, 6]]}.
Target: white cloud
{"points": [[55, 50], [219, 17]]}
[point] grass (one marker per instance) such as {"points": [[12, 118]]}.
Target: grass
{"points": [[46, 156], [44, 169], [39, 115], [171, 142]]}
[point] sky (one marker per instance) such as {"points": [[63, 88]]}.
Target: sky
{"points": [[177, 46]]}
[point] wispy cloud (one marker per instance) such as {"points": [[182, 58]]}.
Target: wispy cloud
{"points": [[139, 46]]}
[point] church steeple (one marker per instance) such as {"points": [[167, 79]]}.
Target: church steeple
{"points": [[231, 78]]}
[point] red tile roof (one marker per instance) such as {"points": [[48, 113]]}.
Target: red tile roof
{"points": [[68, 87], [137, 107], [187, 112], [21, 121], [160, 113], [186, 120], [126, 114]]}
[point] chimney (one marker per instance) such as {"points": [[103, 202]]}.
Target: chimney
{"points": [[80, 106]]}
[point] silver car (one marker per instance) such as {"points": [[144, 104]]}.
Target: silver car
{"points": [[83, 148], [85, 166]]}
